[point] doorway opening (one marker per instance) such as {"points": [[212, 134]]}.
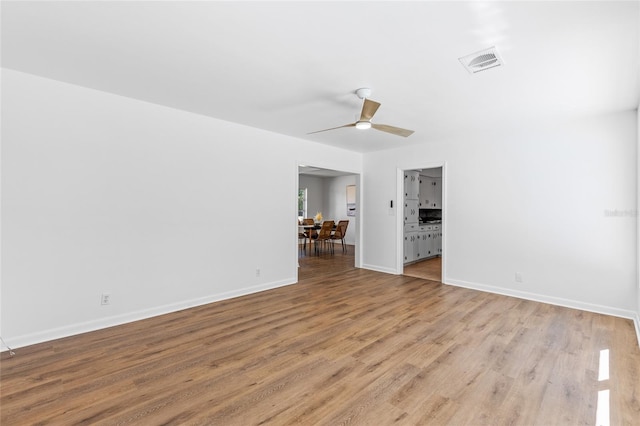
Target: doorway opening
{"points": [[422, 222], [329, 195]]}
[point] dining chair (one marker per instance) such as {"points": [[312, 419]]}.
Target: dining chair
{"points": [[340, 233], [324, 236], [308, 233]]}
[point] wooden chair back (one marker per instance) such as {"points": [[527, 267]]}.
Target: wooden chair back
{"points": [[310, 232], [325, 231], [341, 229]]}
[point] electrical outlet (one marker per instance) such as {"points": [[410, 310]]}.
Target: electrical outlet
{"points": [[257, 272], [518, 277], [105, 299]]}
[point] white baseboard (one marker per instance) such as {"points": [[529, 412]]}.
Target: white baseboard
{"points": [[71, 330], [567, 303], [380, 269]]}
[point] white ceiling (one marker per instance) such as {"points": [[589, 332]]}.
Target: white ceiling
{"points": [[292, 67]]}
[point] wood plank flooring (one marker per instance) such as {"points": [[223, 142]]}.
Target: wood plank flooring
{"points": [[429, 269], [343, 346]]}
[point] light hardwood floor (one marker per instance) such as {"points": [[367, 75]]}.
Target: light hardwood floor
{"points": [[343, 346], [430, 269]]}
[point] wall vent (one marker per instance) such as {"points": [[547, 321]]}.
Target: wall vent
{"points": [[481, 61]]}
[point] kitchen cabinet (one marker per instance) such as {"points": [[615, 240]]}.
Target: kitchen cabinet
{"points": [[410, 246], [411, 227], [413, 237], [425, 243], [411, 212], [411, 185], [437, 240], [426, 188], [430, 193], [422, 242], [437, 193]]}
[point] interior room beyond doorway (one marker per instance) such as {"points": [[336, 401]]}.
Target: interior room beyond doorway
{"points": [[422, 223], [328, 195]]}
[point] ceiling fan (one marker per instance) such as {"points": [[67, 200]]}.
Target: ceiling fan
{"points": [[369, 108]]}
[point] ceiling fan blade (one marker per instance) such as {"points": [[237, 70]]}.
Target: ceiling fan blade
{"points": [[369, 108], [393, 130], [333, 128]]}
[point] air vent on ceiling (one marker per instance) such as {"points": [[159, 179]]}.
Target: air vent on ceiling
{"points": [[483, 60]]}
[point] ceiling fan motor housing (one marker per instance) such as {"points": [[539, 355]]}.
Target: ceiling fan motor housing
{"points": [[363, 92]]}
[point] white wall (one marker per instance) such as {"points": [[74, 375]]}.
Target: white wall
{"points": [[315, 193], [336, 202], [106, 194], [528, 200]]}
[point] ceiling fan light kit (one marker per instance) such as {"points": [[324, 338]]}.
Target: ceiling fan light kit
{"points": [[369, 108]]}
